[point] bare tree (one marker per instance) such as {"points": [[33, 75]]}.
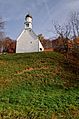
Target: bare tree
{"points": [[63, 31], [67, 30], [74, 20], [71, 29], [1, 33]]}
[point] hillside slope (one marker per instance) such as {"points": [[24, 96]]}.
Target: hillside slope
{"points": [[38, 86]]}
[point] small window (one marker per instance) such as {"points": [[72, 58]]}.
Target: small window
{"points": [[27, 24], [40, 49]]}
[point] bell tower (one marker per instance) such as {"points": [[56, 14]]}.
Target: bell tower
{"points": [[28, 21]]}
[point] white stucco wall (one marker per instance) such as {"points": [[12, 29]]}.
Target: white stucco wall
{"points": [[27, 42], [40, 47]]}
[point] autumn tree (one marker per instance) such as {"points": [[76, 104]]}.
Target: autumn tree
{"points": [[74, 20], [67, 32], [42, 40], [9, 45], [47, 43]]}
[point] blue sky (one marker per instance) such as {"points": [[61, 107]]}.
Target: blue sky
{"points": [[42, 11]]}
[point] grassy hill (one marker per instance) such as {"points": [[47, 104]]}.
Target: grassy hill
{"points": [[38, 86]]}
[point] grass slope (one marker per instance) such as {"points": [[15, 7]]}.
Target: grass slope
{"points": [[38, 86]]}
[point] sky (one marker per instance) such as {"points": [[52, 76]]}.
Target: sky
{"points": [[44, 12]]}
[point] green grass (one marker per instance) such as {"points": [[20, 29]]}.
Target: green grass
{"points": [[38, 86]]}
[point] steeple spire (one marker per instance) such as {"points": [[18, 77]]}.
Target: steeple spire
{"points": [[28, 21]]}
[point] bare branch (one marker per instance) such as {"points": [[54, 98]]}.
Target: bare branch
{"points": [[75, 23]]}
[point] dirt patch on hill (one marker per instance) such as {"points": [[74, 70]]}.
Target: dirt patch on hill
{"points": [[30, 69]]}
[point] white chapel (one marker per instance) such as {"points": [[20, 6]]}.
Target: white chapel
{"points": [[28, 40]]}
